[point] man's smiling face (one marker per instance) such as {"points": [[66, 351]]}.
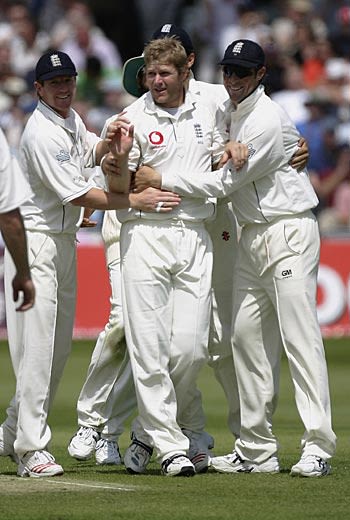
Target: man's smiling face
{"points": [[58, 93]]}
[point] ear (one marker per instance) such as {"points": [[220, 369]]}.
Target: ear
{"points": [[190, 59], [37, 86], [261, 73]]}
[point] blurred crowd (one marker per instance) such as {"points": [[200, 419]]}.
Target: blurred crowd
{"points": [[307, 44]]}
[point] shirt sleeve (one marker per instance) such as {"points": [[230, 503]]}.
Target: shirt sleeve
{"points": [[58, 170], [264, 144], [14, 188]]}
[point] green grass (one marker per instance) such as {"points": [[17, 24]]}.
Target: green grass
{"points": [[87, 491]]}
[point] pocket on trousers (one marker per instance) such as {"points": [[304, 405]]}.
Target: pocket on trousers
{"points": [[294, 236]]}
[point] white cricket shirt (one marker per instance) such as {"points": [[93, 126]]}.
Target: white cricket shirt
{"points": [[188, 141], [14, 189], [54, 154]]}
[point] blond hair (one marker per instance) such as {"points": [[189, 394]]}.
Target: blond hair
{"points": [[166, 51]]}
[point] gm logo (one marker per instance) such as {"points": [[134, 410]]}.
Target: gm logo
{"points": [[286, 273]]}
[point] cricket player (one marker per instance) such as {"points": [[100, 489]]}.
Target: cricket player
{"points": [[275, 274], [56, 149], [166, 263]]}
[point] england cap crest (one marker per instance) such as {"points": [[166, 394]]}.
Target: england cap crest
{"points": [[52, 64]]}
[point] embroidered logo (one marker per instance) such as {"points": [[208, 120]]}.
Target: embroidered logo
{"points": [[251, 150], [55, 60], [156, 138], [166, 28], [198, 132], [237, 48], [287, 273], [225, 235], [63, 156]]}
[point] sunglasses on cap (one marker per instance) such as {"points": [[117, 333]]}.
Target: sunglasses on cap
{"points": [[240, 72]]}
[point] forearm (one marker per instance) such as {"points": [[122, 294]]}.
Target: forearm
{"points": [[120, 183], [101, 149], [13, 232], [99, 199]]}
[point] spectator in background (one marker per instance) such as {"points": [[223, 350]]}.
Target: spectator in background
{"points": [[340, 32], [336, 218], [89, 83], [28, 42], [251, 24], [81, 38], [13, 118], [122, 22], [208, 19], [319, 118], [294, 94], [335, 170]]}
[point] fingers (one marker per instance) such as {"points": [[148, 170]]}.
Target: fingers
{"points": [[25, 306]]}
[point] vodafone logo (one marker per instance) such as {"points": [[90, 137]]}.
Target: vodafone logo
{"points": [[156, 138]]}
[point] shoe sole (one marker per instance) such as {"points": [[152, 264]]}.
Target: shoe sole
{"points": [[318, 474], [80, 457], [32, 474], [109, 463], [186, 471], [133, 472]]}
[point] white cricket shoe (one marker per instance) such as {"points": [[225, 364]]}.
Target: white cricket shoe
{"points": [[39, 464], [233, 463], [107, 452], [137, 456], [271, 465], [6, 445], [311, 466], [83, 444], [178, 466], [199, 452]]}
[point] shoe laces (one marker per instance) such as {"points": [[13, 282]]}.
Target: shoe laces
{"points": [[85, 432], [315, 459], [181, 458], [235, 458], [109, 446], [138, 444], [40, 457]]}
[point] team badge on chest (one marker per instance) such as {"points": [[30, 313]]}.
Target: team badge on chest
{"points": [[63, 156]]}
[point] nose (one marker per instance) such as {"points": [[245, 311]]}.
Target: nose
{"points": [[158, 78]]}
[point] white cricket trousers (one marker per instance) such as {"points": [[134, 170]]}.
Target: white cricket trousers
{"points": [[166, 280], [40, 339], [108, 397], [224, 235], [275, 302]]}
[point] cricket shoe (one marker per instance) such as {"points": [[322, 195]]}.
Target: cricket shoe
{"points": [[107, 452], [83, 444], [231, 463], [271, 465], [178, 466], [137, 456], [6, 446], [39, 464], [311, 466], [199, 452]]}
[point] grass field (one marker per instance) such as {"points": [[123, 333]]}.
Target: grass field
{"points": [[87, 491]]}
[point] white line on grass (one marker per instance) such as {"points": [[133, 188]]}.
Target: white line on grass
{"points": [[98, 486]]}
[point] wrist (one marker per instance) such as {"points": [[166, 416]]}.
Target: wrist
{"points": [[133, 200], [102, 161]]}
